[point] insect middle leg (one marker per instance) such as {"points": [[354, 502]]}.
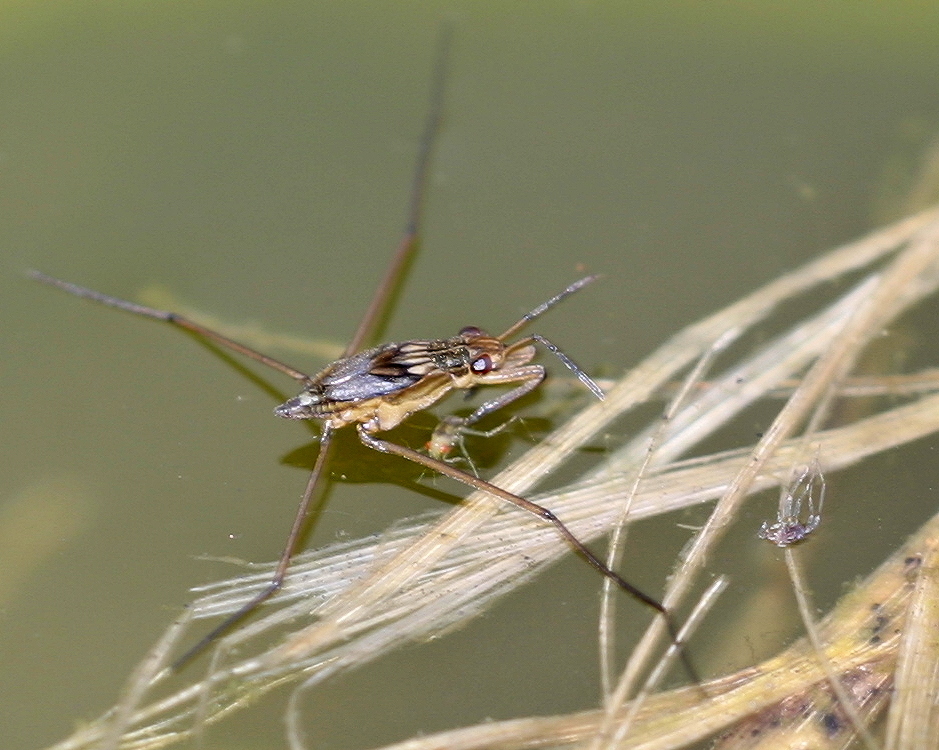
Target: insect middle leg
{"points": [[367, 328]]}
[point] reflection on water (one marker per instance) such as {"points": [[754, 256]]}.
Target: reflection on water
{"points": [[36, 524]]}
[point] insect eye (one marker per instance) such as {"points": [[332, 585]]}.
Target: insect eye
{"points": [[470, 331], [481, 364]]}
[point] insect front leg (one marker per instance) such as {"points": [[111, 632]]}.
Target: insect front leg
{"points": [[449, 432]]}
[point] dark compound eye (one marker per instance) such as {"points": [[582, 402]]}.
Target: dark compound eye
{"points": [[470, 331], [482, 364]]}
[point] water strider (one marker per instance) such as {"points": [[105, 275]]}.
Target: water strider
{"points": [[375, 389]]}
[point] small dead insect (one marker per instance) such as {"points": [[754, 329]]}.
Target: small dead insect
{"points": [[789, 528], [447, 439], [376, 389]]}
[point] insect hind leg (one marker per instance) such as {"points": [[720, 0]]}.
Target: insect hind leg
{"points": [[385, 446]]}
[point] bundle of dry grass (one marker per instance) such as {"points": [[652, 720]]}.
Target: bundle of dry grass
{"points": [[345, 605]]}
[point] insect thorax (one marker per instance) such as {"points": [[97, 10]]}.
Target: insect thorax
{"points": [[390, 372], [451, 356]]}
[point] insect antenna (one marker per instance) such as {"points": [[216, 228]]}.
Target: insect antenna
{"points": [[568, 363], [547, 305], [541, 310]]}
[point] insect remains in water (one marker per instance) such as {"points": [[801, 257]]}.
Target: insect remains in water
{"points": [[375, 389], [789, 527], [448, 435]]}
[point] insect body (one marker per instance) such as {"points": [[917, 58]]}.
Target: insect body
{"points": [[376, 389], [380, 387]]}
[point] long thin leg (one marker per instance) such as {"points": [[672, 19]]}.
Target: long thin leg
{"points": [[386, 288], [409, 240], [390, 281], [296, 531], [384, 446], [385, 291], [170, 317]]}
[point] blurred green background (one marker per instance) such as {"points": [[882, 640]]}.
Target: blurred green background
{"points": [[255, 158]]}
